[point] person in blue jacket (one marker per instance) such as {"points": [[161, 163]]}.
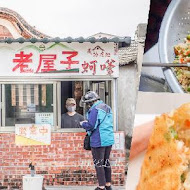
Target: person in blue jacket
{"points": [[99, 125]]}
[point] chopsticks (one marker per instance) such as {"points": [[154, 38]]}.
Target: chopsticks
{"points": [[152, 64]]}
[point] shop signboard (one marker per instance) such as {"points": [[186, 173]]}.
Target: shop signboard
{"points": [[64, 59], [44, 118], [32, 134]]}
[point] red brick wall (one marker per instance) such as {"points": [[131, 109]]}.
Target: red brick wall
{"points": [[64, 162]]}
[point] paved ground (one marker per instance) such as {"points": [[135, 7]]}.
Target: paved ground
{"points": [[76, 188], [81, 188]]}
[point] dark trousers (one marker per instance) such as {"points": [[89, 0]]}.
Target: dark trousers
{"points": [[102, 165]]}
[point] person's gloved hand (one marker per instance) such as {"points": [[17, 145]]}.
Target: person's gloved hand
{"points": [[82, 122]]}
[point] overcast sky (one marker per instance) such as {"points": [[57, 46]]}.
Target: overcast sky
{"points": [[76, 18]]}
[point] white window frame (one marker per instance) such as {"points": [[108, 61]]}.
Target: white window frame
{"points": [[57, 100], [4, 128], [114, 106]]}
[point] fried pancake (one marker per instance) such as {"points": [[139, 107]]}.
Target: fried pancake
{"points": [[167, 160]]}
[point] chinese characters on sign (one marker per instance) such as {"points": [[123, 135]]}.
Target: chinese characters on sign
{"points": [[46, 62], [69, 61], [22, 60], [98, 52], [32, 134], [44, 118], [80, 58]]}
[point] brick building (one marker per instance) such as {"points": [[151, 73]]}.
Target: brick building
{"points": [[64, 162]]}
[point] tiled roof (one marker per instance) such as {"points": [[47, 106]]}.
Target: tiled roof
{"points": [[23, 26], [128, 54], [126, 40]]}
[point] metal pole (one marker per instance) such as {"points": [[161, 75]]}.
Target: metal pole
{"points": [[152, 64]]}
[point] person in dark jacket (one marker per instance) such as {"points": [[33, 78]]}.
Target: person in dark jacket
{"points": [[71, 119], [99, 125]]}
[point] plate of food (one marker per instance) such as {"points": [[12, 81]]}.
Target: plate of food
{"points": [[166, 162]]}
